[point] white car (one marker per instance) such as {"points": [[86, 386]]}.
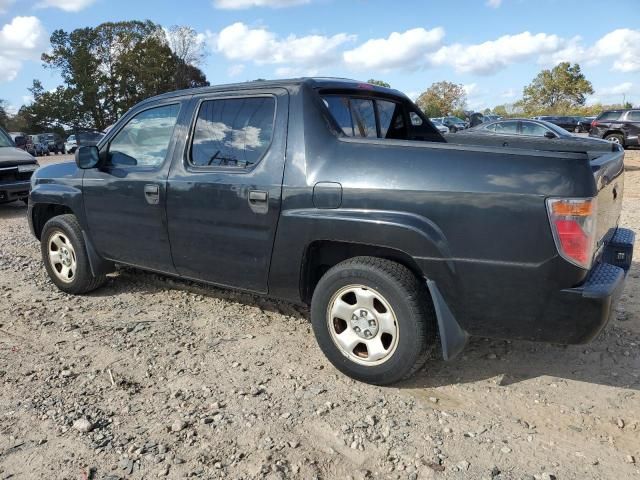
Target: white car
{"points": [[439, 125], [71, 144]]}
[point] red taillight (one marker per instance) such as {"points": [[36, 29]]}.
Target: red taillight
{"points": [[594, 123], [573, 223], [573, 241]]}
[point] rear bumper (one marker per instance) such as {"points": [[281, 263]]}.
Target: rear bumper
{"points": [[14, 191], [580, 313]]}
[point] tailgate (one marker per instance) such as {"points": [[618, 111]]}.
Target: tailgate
{"points": [[608, 171]]}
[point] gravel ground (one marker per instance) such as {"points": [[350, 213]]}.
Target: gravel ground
{"points": [[152, 377]]}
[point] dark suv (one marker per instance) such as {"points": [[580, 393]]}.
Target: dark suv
{"points": [[618, 126]]}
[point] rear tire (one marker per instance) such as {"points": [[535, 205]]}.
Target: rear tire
{"points": [[65, 256], [615, 138], [368, 291]]}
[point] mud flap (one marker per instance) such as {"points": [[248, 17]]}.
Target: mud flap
{"points": [[99, 266], [452, 337]]}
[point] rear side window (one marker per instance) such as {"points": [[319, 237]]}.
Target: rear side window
{"points": [[509, 128], [634, 116], [233, 132], [609, 116], [369, 118]]}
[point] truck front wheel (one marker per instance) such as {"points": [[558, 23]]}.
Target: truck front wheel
{"points": [[65, 256], [373, 319]]}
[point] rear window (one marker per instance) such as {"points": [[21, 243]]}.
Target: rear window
{"points": [[609, 116], [378, 118]]}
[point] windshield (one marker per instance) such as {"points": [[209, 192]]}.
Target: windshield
{"points": [[455, 120], [5, 139]]}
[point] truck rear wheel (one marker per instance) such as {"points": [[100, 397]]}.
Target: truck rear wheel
{"points": [[373, 319], [65, 256]]}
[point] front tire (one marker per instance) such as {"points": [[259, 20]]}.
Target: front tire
{"points": [[65, 256], [373, 319]]}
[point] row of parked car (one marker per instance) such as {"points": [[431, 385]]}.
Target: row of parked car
{"points": [[52, 143], [617, 126]]}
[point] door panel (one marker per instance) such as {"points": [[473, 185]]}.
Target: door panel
{"points": [[223, 199], [125, 199]]}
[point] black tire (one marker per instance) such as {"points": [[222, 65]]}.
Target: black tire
{"points": [[83, 280], [409, 300], [615, 138]]}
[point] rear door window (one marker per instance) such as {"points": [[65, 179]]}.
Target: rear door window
{"points": [[507, 128], [233, 132]]}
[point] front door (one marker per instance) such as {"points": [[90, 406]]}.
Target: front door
{"points": [[125, 198], [223, 200]]}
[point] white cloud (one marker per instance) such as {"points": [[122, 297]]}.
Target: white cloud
{"points": [[5, 4], [21, 39], [244, 4], [622, 44], [488, 57], [494, 3], [407, 50], [259, 45], [621, 89], [235, 70], [66, 5]]}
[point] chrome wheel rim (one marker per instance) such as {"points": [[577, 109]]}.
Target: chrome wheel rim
{"points": [[62, 257], [362, 325], [614, 140]]}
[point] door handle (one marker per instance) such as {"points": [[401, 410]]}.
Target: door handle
{"points": [[256, 196], [152, 194], [259, 201]]}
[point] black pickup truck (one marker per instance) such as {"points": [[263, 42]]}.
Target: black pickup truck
{"points": [[342, 195]]}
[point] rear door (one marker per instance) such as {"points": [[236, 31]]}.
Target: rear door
{"points": [[224, 195]]}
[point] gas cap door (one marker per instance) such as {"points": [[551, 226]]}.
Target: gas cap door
{"points": [[327, 195]]}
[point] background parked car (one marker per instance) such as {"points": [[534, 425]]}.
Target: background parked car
{"points": [[618, 126], [536, 131], [439, 125], [584, 124], [454, 124], [54, 142], [568, 123], [70, 145], [23, 142], [40, 147]]}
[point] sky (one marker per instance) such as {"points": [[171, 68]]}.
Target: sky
{"points": [[492, 47]]}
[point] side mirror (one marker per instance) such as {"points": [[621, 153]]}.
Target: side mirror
{"points": [[87, 157], [549, 134]]}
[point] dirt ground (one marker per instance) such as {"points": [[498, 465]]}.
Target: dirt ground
{"points": [[152, 377]]}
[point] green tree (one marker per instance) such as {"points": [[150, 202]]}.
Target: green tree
{"points": [[379, 83], [442, 98], [4, 116], [556, 90], [108, 69]]}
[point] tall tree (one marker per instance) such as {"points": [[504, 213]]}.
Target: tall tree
{"points": [[4, 116], [556, 90], [188, 47], [109, 68], [442, 98], [379, 83]]}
